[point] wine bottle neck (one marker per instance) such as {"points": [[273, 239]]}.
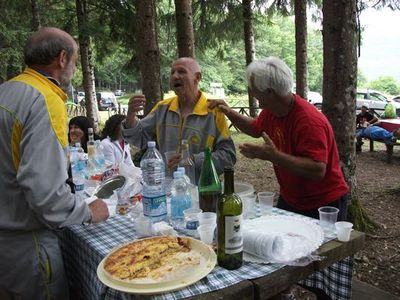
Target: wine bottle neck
{"points": [[229, 185]]}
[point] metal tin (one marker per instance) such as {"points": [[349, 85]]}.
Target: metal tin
{"points": [[107, 187]]}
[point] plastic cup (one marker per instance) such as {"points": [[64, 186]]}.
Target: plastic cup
{"points": [[208, 218], [206, 233], [249, 206], [143, 226], [328, 216], [266, 201], [191, 216], [343, 230]]}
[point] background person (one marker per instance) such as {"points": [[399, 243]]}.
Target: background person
{"points": [[184, 116], [375, 132], [298, 140], [78, 128], [364, 119], [115, 149], [35, 199]]}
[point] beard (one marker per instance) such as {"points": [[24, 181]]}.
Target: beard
{"points": [[65, 83]]}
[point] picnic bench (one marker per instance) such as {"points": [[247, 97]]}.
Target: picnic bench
{"points": [[389, 148], [389, 125]]}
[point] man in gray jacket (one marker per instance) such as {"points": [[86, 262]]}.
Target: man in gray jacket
{"points": [[184, 116], [34, 198]]}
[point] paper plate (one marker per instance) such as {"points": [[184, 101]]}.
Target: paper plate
{"points": [[193, 275], [308, 235]]}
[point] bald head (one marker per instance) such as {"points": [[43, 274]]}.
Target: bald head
{"points": [[46, 44], [190, 63]]}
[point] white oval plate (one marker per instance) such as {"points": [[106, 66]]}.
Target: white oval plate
{"points": [[289, 226], [156, 288]]}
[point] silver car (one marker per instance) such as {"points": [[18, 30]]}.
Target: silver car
{"points": [[375, 100]]}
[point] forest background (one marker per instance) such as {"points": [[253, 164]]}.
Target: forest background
{"points": [[107, 31], [219, 42]]}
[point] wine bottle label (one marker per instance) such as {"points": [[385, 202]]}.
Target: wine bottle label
{"points": [[233, 234]]}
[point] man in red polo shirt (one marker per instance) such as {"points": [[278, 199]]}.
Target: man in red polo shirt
{"points": [[298, 140]]}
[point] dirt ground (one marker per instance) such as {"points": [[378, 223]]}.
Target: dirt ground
{"points": [[378, 263]]}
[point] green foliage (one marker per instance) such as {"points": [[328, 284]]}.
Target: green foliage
{"points": [[386, 84]]}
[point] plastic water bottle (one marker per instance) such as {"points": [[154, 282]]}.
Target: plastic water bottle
{"points": [[153, 174], [183, 171], [193, 191], [99, 157], [78, 168], [180, 197], [187, 162]]}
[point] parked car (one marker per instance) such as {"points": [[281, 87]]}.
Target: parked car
{"points": [[315, 98], [396, 98], [106, 100], [376, 100], [80, 97], [118, 93]]}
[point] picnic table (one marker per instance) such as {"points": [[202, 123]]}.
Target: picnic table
{"points": [[83, 248], [389, 125]]}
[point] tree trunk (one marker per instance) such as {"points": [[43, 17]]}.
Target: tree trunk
{"points": [[300, 11], [339, 90], [35, 15], [249, 45], [184, 28], [86, 62], [148, 52]]}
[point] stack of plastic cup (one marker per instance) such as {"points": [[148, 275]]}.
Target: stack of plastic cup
{"points": [[208, 223]]}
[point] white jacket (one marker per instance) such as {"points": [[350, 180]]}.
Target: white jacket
{"points": [[114, 154]]}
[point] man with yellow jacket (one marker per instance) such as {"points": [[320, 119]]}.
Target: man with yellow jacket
{"points": [[34, 198], [184, 116]]}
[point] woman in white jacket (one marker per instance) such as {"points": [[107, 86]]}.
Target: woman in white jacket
{"points": [[115, 149]]}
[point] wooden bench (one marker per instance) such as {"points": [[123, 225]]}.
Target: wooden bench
{"points": [[389, 148]]}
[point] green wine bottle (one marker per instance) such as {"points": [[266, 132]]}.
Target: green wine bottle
{"points": [[209, 184], [229, 231]]}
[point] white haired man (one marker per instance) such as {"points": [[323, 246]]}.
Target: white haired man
{"points": [[298, 140]]}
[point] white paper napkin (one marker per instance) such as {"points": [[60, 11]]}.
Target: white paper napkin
{"points": [[265, 246]]}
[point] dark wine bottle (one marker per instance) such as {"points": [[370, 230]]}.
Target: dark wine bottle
{"points": [[209, 184], [229, 231]]}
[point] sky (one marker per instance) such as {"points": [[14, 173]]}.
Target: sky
{"points": [[380, 48]]}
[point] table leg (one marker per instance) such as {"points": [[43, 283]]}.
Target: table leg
{"points": [[389, 152]]}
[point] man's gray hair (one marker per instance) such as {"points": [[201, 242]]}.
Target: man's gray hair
{"points": [[43, 51], [270, 73]]}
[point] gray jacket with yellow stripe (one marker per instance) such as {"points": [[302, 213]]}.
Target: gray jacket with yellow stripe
{"points": [[203, 127], [33, 164]]}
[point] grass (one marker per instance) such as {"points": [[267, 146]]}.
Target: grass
{"points": [[241, 138]]}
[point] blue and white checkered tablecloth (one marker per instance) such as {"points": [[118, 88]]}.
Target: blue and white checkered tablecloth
{"points": [[84, 247]]}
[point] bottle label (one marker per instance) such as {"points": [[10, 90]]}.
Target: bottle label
{"points": [[154, 206], [233, 234], [192, 224], [79, 187]]}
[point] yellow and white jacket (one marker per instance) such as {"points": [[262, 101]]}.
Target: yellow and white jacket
{"points": [[203, 127], [33, 164]]}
